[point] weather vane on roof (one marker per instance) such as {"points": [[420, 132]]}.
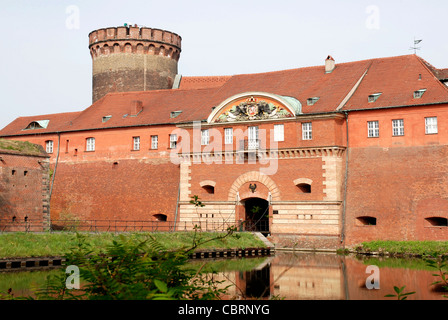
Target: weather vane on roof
{"points": [[415, 48]]}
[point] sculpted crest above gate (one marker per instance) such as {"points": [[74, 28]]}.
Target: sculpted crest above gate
{"points": [[250, 106]]}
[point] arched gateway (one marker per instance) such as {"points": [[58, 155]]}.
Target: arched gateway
{"points": [[253, 192]]}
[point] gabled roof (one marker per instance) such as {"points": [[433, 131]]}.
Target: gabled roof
{"points": [[396, 79], [347, 87]]}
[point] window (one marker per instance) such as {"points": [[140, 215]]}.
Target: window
{"points": [[160, 217], [205, 138], [253, 138], [208, 186], [311, 101], [154, 142], [398, 127], [366, 221], [437, 221], [209, 189], [419, 93], [90, 144], [279, 132], [304, 187], [373, 97], [136, 143], [307, 131], [49, 146], [431, 125], [41, 124], [373, 129], [228, 135], [173, 141], [106, 118], [174, 114]]}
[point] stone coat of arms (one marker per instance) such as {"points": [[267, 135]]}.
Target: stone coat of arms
{"points": [[253, 109]]}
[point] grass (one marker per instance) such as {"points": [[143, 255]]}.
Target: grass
{"points": [[417, 248], [14, 245]]}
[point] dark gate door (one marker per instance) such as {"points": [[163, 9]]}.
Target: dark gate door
{"points": [[257, 215]]}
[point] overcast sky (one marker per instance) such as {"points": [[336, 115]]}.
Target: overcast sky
{"points": [[46, 66]]}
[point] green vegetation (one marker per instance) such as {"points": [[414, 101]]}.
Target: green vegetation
{"points": [[412, 248], [59, 243], [132, 266], [128, 268], [20, 146], [399, 293]]}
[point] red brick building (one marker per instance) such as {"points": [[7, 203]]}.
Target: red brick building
{"points": [[24, 187], [320, 156]]}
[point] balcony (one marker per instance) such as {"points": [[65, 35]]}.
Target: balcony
{"points": [[249, 145]]}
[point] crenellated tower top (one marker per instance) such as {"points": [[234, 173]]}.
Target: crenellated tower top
{"points": [[132, 58]]}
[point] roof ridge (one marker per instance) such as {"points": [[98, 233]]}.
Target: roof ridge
{"points": [[48, 114], [354, 88], [219, 76], [152, 91], [310, 67], [422, 62]]}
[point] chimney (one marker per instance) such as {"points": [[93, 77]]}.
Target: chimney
{"points": [[329, 64], [136, 107]]}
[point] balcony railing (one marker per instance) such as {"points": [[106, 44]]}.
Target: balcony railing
{"points": [[249, 144]]}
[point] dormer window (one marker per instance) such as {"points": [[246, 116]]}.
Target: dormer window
{"points": [[174, 114], [419, 93], [41, 124], [106, 118], [373, 97], [312, 101]]}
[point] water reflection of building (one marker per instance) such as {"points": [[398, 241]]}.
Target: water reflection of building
{"points": [[309, 276]]}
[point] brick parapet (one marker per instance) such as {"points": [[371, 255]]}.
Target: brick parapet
{"points": [[141, 40]]}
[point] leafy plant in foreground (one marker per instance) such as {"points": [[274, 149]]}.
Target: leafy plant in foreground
{"points": [[132, 269], [399, 293], [440, 264]]}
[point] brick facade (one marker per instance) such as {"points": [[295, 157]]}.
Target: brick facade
{"points": [[315, 149], [24, 191], [399, 180]]}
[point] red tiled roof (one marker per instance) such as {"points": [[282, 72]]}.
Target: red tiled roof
{"points": [[441, 74], [395, 77], [202, 82], [57, 122]]}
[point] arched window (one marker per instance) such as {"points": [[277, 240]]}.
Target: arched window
{"points": [[303, 185], [160, 217], [208, 186]]}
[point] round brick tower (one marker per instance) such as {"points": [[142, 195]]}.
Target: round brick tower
{"points": [[132, 58]]}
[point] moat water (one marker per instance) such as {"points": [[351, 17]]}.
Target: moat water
{"points": [[295, 276]]}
